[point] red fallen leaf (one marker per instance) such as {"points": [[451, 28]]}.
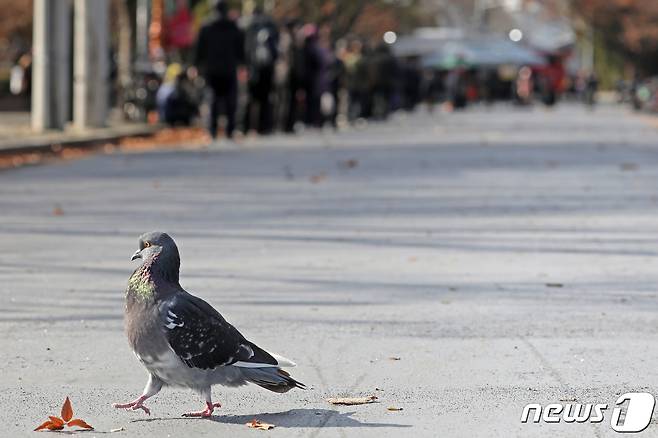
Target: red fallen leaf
{"points": [[67, 410], [257, 424], [315, 179], [80, 423], [58, 211], [44, 425], [56, 421]]}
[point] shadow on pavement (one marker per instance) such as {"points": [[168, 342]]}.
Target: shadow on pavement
{"points": [[291, 419]]}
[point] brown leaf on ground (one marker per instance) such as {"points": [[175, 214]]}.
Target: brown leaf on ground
{"points": [[67, 410], [79, 423], [393, 408], [350, 401], [58, 211], [349, 164], [56, 423], [168, 138], [45, 425], [257, 424], [318, 178]]}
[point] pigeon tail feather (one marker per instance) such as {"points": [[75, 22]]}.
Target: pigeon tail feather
{"points": [[274, 379]]}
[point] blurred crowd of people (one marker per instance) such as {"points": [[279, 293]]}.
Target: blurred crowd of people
{"points": [[265, 76], [262, 76]]}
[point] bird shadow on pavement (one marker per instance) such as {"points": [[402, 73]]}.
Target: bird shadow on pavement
{"points": [[292, 418]]}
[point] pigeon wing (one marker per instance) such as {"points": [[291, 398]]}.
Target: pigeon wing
{"points": [[202, 338]]}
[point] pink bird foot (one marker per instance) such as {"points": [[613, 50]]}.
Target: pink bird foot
{"points": [[207, 412], [134, 405]]}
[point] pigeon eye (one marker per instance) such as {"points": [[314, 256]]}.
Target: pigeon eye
{"points": [[146, 244]]}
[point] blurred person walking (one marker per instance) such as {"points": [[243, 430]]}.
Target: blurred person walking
{"points": [[591, 88], [386, 74], [317, 59], [411, 82], [219, 52], [282, 70], [337, 83], [364, 81], [296, 75], [352, 60], [175, 97], [262, 41]]}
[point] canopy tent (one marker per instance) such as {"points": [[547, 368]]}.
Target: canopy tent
{"points": [[448, 48], [484, 51]]}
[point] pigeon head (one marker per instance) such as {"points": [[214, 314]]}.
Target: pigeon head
{"points": [[159, 249]]}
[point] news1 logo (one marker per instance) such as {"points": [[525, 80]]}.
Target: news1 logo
{"points": [[636, 416]]}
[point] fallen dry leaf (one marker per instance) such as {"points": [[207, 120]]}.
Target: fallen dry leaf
{"points": [[50, 425], [352, 400], [257, 424], [178, 138], [318, 178], [57, 423], [393, 408], [67, 410], [79, 423], [349, 164], [58, 211]]}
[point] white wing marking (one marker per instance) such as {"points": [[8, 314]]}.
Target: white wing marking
{"points": [[281, 362]]}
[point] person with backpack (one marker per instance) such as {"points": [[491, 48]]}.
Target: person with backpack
{"points": [[262, 41], [219, 52]]}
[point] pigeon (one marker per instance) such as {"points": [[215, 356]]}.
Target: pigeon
{"points": [[182, 340]]}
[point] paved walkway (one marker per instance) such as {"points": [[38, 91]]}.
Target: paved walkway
{"points": [[16, 134], [505, 256]]}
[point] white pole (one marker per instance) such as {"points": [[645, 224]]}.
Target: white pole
{"points": [[90, 66], [61, 58], [40, 113]]}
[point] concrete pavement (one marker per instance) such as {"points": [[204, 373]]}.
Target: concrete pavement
{"points": [[16, 135], [505, 256]]}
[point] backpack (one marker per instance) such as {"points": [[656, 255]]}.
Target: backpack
{"points": [[262, 44]]}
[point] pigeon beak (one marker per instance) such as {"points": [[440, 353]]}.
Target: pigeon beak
{"points": [[137, 255]]}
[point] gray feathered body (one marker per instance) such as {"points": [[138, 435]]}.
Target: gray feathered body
{"points": [[183, 341]]}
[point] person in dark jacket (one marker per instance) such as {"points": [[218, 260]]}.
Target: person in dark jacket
{"points": [[296, 76], [219, 52], [262, 42]]}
